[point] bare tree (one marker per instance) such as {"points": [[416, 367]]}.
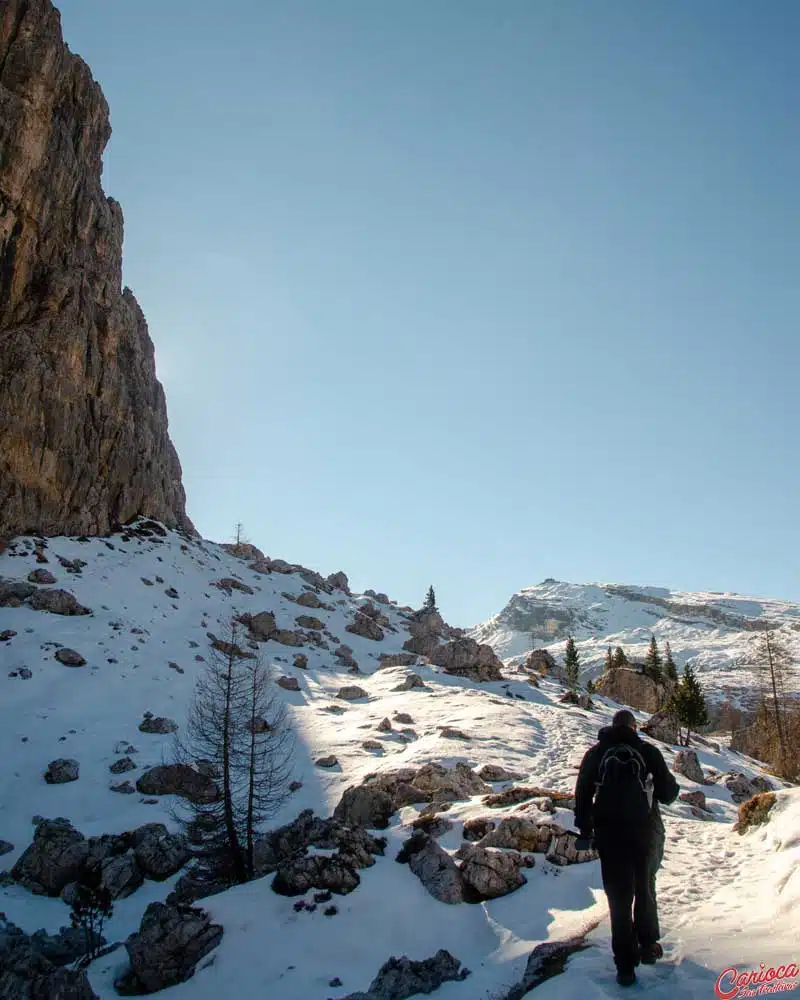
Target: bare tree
{"points": [[238, 733], [774, 662]]}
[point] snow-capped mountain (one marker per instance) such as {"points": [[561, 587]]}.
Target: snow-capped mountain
{"points": [[718, 632], [153, 602]]}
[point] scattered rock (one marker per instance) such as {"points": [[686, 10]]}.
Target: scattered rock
{"points": [[41, 576], [521, 834], [373, 746], [178, 779], [385, 726], [412, 681], [5, 847], [403, 718], [69, 657], [123, 787], [687, 764], [397, 660], [425, 632], [434, 867], [229, 584], [496, 772], [157, 724], [741, 787], [61, 771], [121, 875], [400, 978], [262, 626], [694, 798], [288, 638], [545, 961], [344, 654], [456, 783], [301, 661], [365, 805], [476, 829], [365, 624], [288, 683], [53, 860], [488, 873], [449, 733], [664, 726], [522, 793], [57, 602], [7, 634], [540, 661], [330, 761], [165, 950], [562, 851], [338, 581], [433, 824], [122, 765], [32, 967], [631, 687], [159, 853], [352, 692], [308, 621], [174, 666], [465, 657], [315, 872]]}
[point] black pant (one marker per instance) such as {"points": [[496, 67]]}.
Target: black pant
{"points": [[629, 879]]}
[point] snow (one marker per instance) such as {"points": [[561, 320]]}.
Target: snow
{"points": [[725, 899]]}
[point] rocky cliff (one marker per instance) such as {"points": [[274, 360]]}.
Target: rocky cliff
{"points": [[83, 420]]}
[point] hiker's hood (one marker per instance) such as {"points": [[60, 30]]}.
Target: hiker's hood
{"points": [[618, 734]]}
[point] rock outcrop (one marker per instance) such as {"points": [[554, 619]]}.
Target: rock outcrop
{"points": [[84, 444], [630, 687], [466, 658]]}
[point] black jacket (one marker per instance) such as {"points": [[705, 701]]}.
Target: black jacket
{"points": [[665, 787]]}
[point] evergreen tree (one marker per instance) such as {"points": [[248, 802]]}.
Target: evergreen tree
{"points": [[670, 670], [590, 688], [689, 703], [652, 662], [430, 601], [620, 659], [571, 664], [609, 664]]}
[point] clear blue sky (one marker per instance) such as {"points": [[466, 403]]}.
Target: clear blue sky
{"points": [[471, 293]]}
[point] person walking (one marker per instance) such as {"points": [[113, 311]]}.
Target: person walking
{"points": [[621, 780]]}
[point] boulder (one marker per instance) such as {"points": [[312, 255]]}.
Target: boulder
{"points": [[294, 878], [330, 761], [61, 771], [178, 779], [57, 602], [403, 718], [411, 682], [121, 875], [477, 828], [397, 660], [540, 661], [123, 787], [122, 765], [400, 978], [697, 799], [262, 626], [687, 764], [366, 623], [488, 873], [54, 859], [523, 793], [434, 867], [31, 967], [157, 724], [562, 850], [496, 772], [43, 576], [664, 726], [631, 687], [365, 805], [165, 950], [14, 592], [308, 621], [288, 638], [579, 698], [545, 961], [740, 786], [338, 581], [6, 847], [69, 657], [344, 654], [288, 683], [351, 692], [465, 657], [308, 599], [456, 783], [159, 853], [301, 661], [521, 834], [229, 584]]}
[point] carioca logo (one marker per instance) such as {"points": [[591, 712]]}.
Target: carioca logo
{"points": [[732, 984]]}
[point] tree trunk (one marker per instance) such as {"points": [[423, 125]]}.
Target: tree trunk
{"points": [[230, 826], [778, 727], [251, 779]]}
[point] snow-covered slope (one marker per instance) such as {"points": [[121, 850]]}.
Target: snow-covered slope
{"points": [[269, 950], [718, 632]]}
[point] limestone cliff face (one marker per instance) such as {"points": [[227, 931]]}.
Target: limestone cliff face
{"points": [[83, 420]]}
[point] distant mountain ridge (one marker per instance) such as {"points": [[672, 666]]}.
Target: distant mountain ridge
{"points": [[718, 632]]}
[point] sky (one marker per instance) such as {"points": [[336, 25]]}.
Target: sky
{"points": [[466, 293]]}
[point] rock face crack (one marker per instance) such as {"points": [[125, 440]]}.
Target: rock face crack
{"points": [[84, 442]]}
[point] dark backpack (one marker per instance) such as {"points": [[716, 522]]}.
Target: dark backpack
{"points": [[622, 798]]}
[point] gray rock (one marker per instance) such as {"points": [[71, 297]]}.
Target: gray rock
{"points": [[159, 853], [123, 787], [365, 625], [14, 592], [352, 692], [545, 961], [338, 581], [400, 978], [403, 718], [57, 602], [687, 764], [434, 867], [411, 682], [6, 847], [740, 787], [562, 850], [308, 599], [488, 874], [165, 950], [54, 859], [70, 658], [457, 783], [521, 834], [263, 626], [61, 771], [157, 724], [316, 872], [465, 657], [397, 660], [41, 576], [301, 661], [385, 726], [122, 765], [694, 798], [496, 772], [31, 967], [330, 761], [178, 779], [664, 726], [365, 805], [425, 633], [288, 683], [121, 875]]}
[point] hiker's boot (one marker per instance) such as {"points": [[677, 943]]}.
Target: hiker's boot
{"points": [[626, 977], [649, 954]]}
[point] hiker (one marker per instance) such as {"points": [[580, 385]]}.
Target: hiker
{"points": [[621, 781]]}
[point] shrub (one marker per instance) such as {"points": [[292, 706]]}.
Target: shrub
{"points": [[754, 812]]}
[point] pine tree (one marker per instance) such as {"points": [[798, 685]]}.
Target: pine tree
{"points": [[430, 601], [571, 664], [609, 664], [620, 659], [670, 670], [652, 662], [689, 703], [590, 688]]}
